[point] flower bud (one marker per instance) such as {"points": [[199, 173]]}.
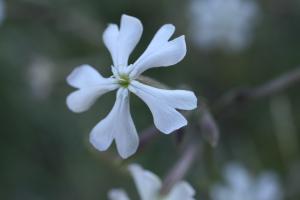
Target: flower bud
{"points": [[209, 127]]}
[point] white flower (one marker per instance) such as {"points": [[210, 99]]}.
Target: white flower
{"points": [[2, 11], [41, 78], [149, 185], [118, 125], [239, 184], [226, 24]]}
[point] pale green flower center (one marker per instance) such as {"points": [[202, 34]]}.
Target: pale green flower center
{"points": [[124, 80]]}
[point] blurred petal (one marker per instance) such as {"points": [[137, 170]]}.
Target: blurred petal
{"points": [[147, 183], [237, 176], [121, 43], [161, 52], [2, 11], [268, 187], [117, 194], [117, 125], [180, 191], [162, 104]]}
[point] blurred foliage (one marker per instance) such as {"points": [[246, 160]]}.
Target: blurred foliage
{"points": [[44, 147]]}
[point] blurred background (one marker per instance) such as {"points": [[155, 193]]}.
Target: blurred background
{"points": [[44, 148]]}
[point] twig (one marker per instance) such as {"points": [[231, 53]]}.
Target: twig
{"points": [[147, 136], [265, 90], [233, 98], [179, 170], [208, 126], [277, 85]]}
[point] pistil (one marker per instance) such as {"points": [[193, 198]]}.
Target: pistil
{"points": [[124, 80]]}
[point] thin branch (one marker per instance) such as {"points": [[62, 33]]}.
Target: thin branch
{"points": [[265, 90], [233, 98], [147, 136], [277, 85], [208, 126], [179, 170]]}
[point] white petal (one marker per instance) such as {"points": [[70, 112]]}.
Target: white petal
{"points": [[84, 76], [131, 30], [126, 136], [110, 39], [160, 38], [117, 125], [179, 99], [82, 99], [163, 104], [121, 42], [147, 183], [117, 194], [161, 52], [91, 86], [180, 191]]}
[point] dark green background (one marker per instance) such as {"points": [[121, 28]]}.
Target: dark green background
{"points": [[44, 149]]}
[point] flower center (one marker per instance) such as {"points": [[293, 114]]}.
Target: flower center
{"points": [[124, 80]]}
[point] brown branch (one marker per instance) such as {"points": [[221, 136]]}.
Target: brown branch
{"points": [[267, 89], [147, 136], [179, 170], [208, 126], [277, 85], [233, 98]]}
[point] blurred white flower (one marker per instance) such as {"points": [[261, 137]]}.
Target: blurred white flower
{"points": [[2, 11], [41, 78], [224, 24], [118, 194], [118, 125], [240, 184], [149, 185]]}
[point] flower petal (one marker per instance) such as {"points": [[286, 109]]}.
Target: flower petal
{"points": [[180, 191], [84, 76], [147, 183], [179, 99], [126, 137], [268, 187], [82, 99], [117, 125], [163, 104], [161, 37], [91, 86], [161, 52], [110, 39], [121, 42], [237, 176], [117, 194]]}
